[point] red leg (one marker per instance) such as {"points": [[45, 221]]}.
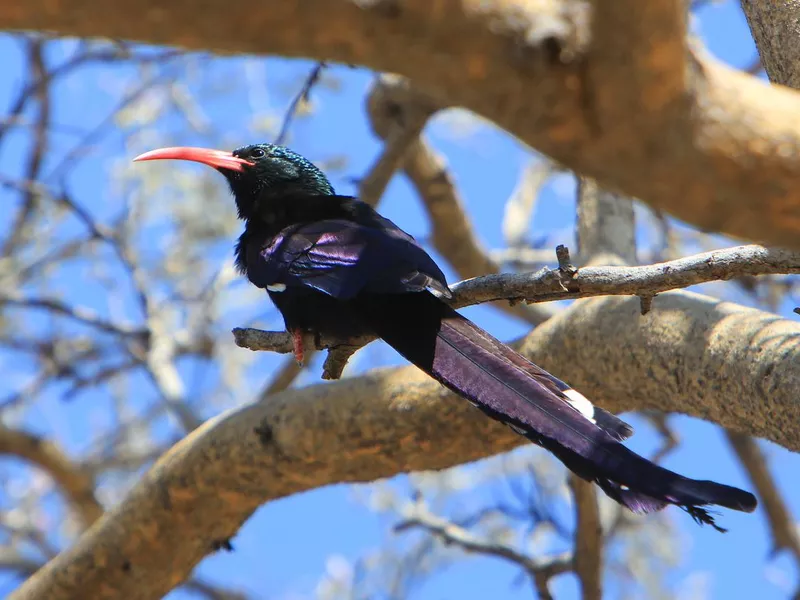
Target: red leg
{"points": [[297, 342]]}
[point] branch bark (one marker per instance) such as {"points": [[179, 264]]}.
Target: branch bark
{"points": [[691, 354], [774, 28], [720, 152]]}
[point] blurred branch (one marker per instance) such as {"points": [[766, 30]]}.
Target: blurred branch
{"points": [[606, 226], [521, 204], [416, 515], [12, 560], [452, 233], [76, 484], [212, 591], [82, 148], [78, 314], [588, 547], [302, 97], [38, 70], [160, 363], [285, 375], [781, 522], [84, 55], [400, 128], [669, 438]]}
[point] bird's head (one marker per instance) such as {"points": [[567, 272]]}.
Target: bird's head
{"points": [[256, 174]]}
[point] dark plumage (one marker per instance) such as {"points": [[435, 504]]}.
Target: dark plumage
{"points": [[332, 265]]}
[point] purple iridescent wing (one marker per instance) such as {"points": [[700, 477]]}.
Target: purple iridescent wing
{"points": [[342, 258]]}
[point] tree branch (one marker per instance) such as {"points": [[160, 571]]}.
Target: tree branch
{"points": [[416, 515], [773, 25], [567, 282], [781, 523], [721, 155]]}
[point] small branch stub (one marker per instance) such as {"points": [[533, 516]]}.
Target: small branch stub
{"points": [[646, 303], [566, 269]]}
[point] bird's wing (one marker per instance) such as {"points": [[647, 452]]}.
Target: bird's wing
{"points": [[342, 258]]}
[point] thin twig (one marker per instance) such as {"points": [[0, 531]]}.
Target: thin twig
{"points": [[302, 96]]}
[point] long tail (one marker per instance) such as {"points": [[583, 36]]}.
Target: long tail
{"points": [[511, 389]]}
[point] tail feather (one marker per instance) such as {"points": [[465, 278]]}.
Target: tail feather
{"points": [[512, 390], [610, 423]]}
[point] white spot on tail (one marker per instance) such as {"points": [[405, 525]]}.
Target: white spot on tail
{"points": [[580, 403], [277, 287]]}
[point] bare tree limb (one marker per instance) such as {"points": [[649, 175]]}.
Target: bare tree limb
{"points": [[521, 203], [302, 97], [588, 539], [18, 229], [86, 317], [606, 228], [403, 118], [417, 515], [74, 482]]}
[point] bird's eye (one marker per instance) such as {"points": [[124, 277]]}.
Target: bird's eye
{"points": [[257, 153]]}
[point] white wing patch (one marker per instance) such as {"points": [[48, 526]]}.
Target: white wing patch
{"points": [[277, 287], [437, 292], [580, 403]]}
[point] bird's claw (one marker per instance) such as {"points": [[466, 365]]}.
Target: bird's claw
{"points": [[297, 343]]}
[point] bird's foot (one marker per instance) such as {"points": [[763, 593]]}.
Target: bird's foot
{"points": [[297, 343]]}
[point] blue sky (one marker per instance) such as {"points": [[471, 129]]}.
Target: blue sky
{"points": [[283, 551]]}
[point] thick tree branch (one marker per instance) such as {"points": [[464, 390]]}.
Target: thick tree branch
{"points": [[722, 154], [588, 539], [691, 354]]}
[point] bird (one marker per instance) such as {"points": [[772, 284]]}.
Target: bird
{"points": [[334, 267]]}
